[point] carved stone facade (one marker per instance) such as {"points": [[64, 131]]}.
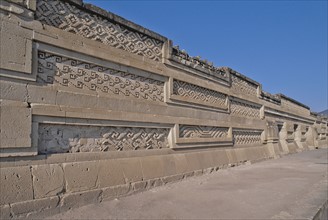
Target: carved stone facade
{"points": [[98, 103], [244, 109], [74, 138], [203, 95], [242, 86], [70, 18], [247, 136], [68, 72], [190, 131]]}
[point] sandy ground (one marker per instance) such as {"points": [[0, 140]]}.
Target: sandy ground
{"points": [[292, 187]]}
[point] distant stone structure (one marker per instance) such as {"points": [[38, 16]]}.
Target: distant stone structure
{"points": [[94, 107]]}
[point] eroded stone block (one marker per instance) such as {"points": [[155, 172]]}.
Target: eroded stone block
{"points": [[81, 176], [15, 124], [110, 173], [34, 206], [15, 48], [48, 180], [16, 184], [116, 191], [73, 200]]}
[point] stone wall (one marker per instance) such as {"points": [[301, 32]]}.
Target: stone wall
{"points": [[95, 107]]}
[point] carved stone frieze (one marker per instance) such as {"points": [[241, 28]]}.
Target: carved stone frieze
{"points": [[244, 109], [72, 19], [242, 86], [184, 58], [70, 72], [200, 94], [192, 131], [81, 138], [250, 136]]}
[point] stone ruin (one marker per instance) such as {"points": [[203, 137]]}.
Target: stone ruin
{"points": [[94, 107]]}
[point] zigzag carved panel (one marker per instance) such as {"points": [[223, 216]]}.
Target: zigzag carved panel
{"points": [[241, 86], [70, 18], [82, 75], [191, 131], [78, 138], [244, 109], [247, 136], [198, 93]]}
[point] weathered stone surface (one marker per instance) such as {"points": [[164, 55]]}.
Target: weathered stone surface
{"points": [[117, 109], [152, 167], [139, 186], [71, 200], [34, 206], [15, 124], [16, 48], [16, 184], [132, 169], [110, 173], [48, 180], [81, 176], [116, 191], [5, 212]]}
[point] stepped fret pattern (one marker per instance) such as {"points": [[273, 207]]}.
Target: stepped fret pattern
{"points": [[69, 18], [244, 109], [198, 93], [70, 138], [247, 136], [82, 75], [241, 86], [190, 131]]}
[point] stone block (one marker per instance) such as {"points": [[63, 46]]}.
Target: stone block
{"points": [[152, 167], [232, 156], [131, 169], [156, 182], [116, 191], [110, 173], [81, 176], [181, 163], [241, 155], [48, 180], [220, 158], [13, 90], [76, 99], [15, 124], [16, 184], [5, 212], [169, 165], [34, 206], [74, 200], [41, 94], [173, 178], [193, 160], [16, 48], [139, 186]]}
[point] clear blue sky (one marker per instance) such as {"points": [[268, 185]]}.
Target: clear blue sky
{"points": [[281, 44]]}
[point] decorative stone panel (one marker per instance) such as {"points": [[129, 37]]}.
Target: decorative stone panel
{"points": [[240, 85], [54, 138], [72, 19], [188, 136], [249, 136], [244, 109], [191, 131], [71, 72], [199, 95]]}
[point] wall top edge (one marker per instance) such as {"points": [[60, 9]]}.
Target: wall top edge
{"points": [[115, 18], [282, 96]]}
